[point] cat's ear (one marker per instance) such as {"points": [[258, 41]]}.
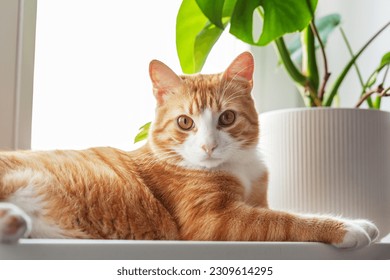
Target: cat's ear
{"points": [[164, 80], [241, 68]]}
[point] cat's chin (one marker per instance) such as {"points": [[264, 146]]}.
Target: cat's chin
{"points": [[208, 163], [211, 162]]}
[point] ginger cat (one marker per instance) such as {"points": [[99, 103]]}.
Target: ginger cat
{"points": [[199, 177]]}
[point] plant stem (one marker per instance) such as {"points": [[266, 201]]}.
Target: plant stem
{"points": [[364, 97], [378, 99], [382, 92], [288, 63], [385, 75], [364, 87], [309, 61], [346, 41], [292, 70], [325, 79], [313, 27], [377, 102], [346, 69], [386, 92], [284, 55]]}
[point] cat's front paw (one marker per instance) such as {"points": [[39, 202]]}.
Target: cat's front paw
{"points": [[359, 233], [14, 223]]}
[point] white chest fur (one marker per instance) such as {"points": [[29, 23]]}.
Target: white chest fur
{"points": [[247, 166]]}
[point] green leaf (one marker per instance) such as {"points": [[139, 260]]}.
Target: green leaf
{"points": [[199, 24], [241, 23], [143, 134], [190, 22], [280, 17], [195, 36], [325, 26], [228, 8], [384, 61], [204, 42], [372, 80], [212, 10]]}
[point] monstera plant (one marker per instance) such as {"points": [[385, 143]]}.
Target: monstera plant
{"points": [[200, 23]]}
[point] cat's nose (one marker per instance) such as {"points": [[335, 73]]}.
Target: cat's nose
{"points": [[209, 149]]}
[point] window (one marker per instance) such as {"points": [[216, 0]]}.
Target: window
{"points": [[91, 69], [17, 35], [91, 84]]}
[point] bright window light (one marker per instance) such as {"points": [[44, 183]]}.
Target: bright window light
{"points": [[91, 85]]}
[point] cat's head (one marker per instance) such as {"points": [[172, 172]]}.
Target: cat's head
{"points": [[203, 121]]}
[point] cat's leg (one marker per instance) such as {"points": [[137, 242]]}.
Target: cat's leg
{"points": [[341, 233], [357, 233], [241, 222], [14, 223]]}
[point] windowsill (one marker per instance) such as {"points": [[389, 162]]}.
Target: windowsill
{"points": [[61, 249]]}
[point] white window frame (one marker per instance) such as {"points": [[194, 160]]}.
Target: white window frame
{"points": [[17, 48]]}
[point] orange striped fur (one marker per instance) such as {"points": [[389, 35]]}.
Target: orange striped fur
{"points": [[162, 191]]}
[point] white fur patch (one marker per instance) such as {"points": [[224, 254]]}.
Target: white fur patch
{"points": [[247, 166], [360, 233], [27, 199]]}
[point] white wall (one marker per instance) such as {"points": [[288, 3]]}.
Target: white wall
{"points": [[17, 34]]}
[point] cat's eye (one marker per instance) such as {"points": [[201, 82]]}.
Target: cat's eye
{"points": [[227, 118], [185, 122]]}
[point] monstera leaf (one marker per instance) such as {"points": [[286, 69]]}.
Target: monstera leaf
{"points": [[200, 23]]}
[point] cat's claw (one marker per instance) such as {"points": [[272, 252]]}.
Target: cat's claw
{"points": [[14, 223], [359, 233]]}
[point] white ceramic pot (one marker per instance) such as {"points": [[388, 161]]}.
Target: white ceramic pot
{"points": [[331, 161]]}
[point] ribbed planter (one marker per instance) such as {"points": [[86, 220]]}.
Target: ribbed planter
{"points": [[331, 161]]}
